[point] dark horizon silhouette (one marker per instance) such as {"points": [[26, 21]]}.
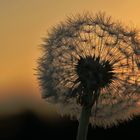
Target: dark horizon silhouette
{"points": [[27, 125]]}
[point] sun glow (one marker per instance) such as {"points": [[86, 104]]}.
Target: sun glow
{"points": [[24, 24]]}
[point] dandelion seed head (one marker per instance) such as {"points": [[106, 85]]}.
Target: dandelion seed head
{"points": [[86, 54], [94, 74]]}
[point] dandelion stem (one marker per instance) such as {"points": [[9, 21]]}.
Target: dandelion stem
{"points": [[83, 123]]}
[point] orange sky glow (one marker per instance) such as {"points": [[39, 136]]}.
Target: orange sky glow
{"points": [[23, 25]]}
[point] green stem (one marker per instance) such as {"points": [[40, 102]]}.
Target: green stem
{"points": [[83, 123]]}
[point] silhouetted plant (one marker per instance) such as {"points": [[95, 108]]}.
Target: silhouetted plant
{"points": [[90, 64]]}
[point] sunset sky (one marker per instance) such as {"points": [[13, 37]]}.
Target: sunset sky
{"points": [[23, 24]]}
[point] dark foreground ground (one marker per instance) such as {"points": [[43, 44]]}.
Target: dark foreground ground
{"points": [[28, 126]]}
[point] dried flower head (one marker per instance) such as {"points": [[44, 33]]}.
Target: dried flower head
{"points": [[92, 55]]}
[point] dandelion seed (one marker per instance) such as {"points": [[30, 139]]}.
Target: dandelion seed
{"points": [[92, 62]]}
